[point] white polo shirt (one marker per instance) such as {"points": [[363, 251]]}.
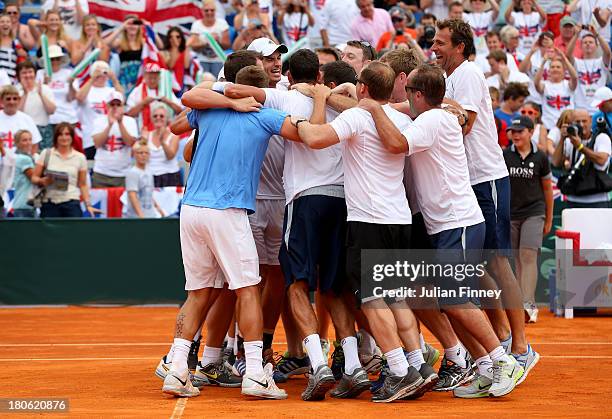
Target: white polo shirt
{"points": [[304, 167], [114, 157], [373, 184], [440, 172], [467, 85]]}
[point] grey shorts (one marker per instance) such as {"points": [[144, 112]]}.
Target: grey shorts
{"points": [[527, 233], [267, 226], [98, 180]]}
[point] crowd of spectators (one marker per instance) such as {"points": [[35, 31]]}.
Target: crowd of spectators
{"points": [[547, 60]]}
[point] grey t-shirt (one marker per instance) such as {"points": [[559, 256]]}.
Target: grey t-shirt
{"points": [[271, 178], [141, 182]]}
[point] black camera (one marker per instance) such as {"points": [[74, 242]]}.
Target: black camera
{"points": [[399, 32], [601, 123], [574, 130], [429, 32]]}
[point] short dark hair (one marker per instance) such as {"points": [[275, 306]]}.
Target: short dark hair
{"points": [[330, 51], [238, 60], [369, 53], [338, 72], [252, 75], [491, 34], [402, 60], [461, 33], [58, 130], [304, 66], [380, 79], [429, 16], [430, 81], [515, 90], [24, 65], [498, 55], [454, 4]]}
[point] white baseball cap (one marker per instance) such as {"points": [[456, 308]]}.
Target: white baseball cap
{"points": [[603, 94], [266, 47], [114, 95]]}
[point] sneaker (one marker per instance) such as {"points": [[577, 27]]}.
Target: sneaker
{"points": [[217, 374], [505, 376], [162, 368], [263, 385], [290, 365], [351, 386], [228, 355], [431, 355], [527, 361], [507, 344], [398, 387], [337, 365], [271, 357], [478, 387], [430, 378], [179, 385], [372, 363], [452, 375], [192, 358], [239, 367], [531, 313], [325, 348], [319, 383]]}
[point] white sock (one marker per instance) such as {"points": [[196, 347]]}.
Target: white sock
{"points": [[457, 354], [253, 354], [210, 355], [351, 355], [236, 334], [484, 364], [422, 343], [181, 352], [314, 351], [415, 359], [230, 343], [398, 365], [499, 354], [170, 354], [198, 334], [368, 344]]}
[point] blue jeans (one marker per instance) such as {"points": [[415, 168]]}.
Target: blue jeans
{"points": [[67, 209]]}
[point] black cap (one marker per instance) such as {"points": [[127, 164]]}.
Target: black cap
{"points": [[520, 123]]}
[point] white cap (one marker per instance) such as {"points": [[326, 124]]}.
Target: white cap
{"points": [[114, 95], [603, 94], [518, 77], [266, 47], [99, 66], [55, 51]]}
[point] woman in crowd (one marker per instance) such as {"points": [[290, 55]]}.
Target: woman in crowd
{"points": [[480, 19], [11, 51], [163, 146], [91, 38], [554, 135], [37, 100], [529, 20], [24, 167], [218, 29], [557, 93], [294, 19], [68, 182], [250, 13], [21, 32], [53, 27], [177, 56], [534, 60], [540, 133], [510, 37]]}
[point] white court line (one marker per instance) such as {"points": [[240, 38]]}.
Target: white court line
{"points": [[157, 358], [179, 407]]}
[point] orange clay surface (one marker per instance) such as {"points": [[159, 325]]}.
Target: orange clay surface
{"points": [[103, 359]]}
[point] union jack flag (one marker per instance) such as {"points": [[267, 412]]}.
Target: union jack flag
{"points": [[528, 31], [478, 32], [588, 77], [296, 33], [161, 13], [558, 102]]}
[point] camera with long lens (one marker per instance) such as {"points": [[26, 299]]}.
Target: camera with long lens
{"points": [[601, 124], [428, 33], [574, 130]]}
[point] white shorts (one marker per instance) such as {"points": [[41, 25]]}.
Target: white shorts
{"points": [[267, 226], [217, 245]]}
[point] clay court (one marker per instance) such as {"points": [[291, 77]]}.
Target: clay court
{"points": [[102, 360]]}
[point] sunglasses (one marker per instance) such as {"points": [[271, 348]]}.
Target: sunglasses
{"points": [[12, 13], [115, 105], [397, 19], [159, 116], [529, 112], [11, 99]]}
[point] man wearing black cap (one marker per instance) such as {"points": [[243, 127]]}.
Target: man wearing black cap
{"points": [[531, 206]]}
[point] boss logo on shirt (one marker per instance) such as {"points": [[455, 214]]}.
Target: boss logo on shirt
{"points": [[522, 172]]}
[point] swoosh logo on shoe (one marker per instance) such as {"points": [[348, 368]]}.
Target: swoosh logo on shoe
{"points": [[260, 383], [482, 388], [181, 381], [512, 373], [210, 375]]}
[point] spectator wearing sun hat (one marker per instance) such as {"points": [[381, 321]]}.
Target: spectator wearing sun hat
{"points": [[140, 99]]}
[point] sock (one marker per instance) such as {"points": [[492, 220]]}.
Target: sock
{"points": [[254, 359], [507, 343], [181, 352], [267, 340], [210, 355], [368, 344], [314, 351], [230, 343], [170, 354], [198, 334], [499, 354], [398, 365], [457, 354], [415, 359], [351, 355], [484, 364], [422, 343]]}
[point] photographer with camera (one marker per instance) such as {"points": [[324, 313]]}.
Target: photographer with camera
{"points": [[602, 101], [586, 156], [401, 34]]}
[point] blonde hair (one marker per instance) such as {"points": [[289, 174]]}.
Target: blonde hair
{"points": [[87, 18], [61, 33], [124, 44], [565, 117], [508, 32], [140, 145], [20, 134]]}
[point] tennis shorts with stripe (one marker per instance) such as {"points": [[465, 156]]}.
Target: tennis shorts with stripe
{"points": [[494, 201]]}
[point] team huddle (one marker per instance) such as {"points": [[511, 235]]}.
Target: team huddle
{"points": [[292, 178]]}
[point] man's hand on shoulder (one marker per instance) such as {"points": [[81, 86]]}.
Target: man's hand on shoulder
{"points": [[246, 104]]}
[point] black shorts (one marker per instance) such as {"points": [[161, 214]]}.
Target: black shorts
{"points": [[363, 236], [419, 239], [167, 179], [312, 250]]}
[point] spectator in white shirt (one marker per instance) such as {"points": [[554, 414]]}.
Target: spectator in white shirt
{"points": [[114, 135], [37, 101], [71, 12], [481, 15], [529, 21], [139, 186], [336, 19], [218, 29], [13, 120], [587, 11], [163, 147], [557, 93]]}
